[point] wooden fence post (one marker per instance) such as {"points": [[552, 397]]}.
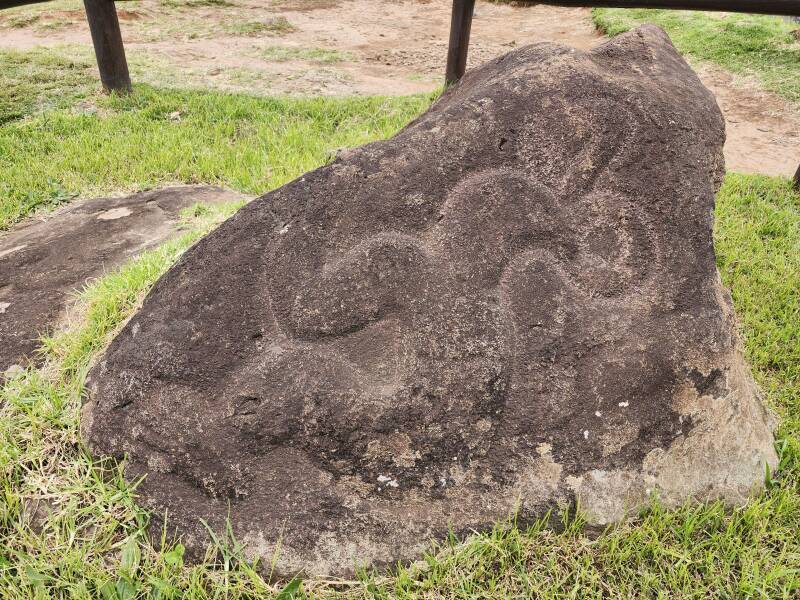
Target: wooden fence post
{"points": [[460, 25], [796, 180], [107, 40]]}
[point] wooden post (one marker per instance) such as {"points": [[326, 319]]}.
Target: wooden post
{"points": [[796, 180], [107, 40], [460, 25]]}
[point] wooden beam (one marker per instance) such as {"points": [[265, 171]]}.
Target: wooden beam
{"points": [[460, 26], [796, 180], [12, 3], [765, 7], [108, 48]]}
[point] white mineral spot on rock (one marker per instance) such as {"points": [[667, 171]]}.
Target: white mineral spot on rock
{"points": [[416, 200], [4, 306], [586, 434], [389, 481], [114, 213], [12, 250], [624, 404], [573, 482], [284, 229], [13, 371], [597, 413]]}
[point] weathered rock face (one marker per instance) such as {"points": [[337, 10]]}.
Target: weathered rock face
{"points": [[512, 303], [44, 260]]}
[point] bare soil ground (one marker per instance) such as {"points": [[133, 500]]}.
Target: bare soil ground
{"points": [[340, 47]]}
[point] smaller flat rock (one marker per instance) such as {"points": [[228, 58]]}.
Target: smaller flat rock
{"points": [[43, 261]]}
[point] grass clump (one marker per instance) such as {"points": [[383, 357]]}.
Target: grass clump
{"points": [[21, 21], [317, 55], [275, 26], [280, 26], [70, 526], [753, 45], [196, 3]]}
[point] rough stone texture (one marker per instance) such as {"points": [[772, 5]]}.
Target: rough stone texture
{"points": [[512, 303], [43, 261]]}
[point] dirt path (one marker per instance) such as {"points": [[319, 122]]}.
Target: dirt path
{"points": [[339, 47]]}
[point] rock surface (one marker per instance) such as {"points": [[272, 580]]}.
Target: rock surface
{"points": [[43, 261], [512, 303]]}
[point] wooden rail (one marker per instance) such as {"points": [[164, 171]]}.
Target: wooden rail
{"points": [[461, 24], [764, 7], [106, 38]]}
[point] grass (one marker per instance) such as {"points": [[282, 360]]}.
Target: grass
{"points": [[757, 46], [318, 55], [70, 526], [196, 3], [758, 247], [44, 16], [48, 149], [22, 21], [37, 81], [276, 26]]}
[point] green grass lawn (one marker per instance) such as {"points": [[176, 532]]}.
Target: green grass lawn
{"points": [[58, 138], [70, 526], [754, 45]]}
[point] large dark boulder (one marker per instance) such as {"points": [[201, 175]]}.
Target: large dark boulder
{"points": [[512, 303]]}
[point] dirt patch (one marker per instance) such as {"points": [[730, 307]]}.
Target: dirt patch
{"points": [[763, 130], [78, 15], [43, 261], [393, 47], [128, 15]]}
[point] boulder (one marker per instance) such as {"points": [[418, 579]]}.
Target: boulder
{"points": [[45, 259], [511, 304]]}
